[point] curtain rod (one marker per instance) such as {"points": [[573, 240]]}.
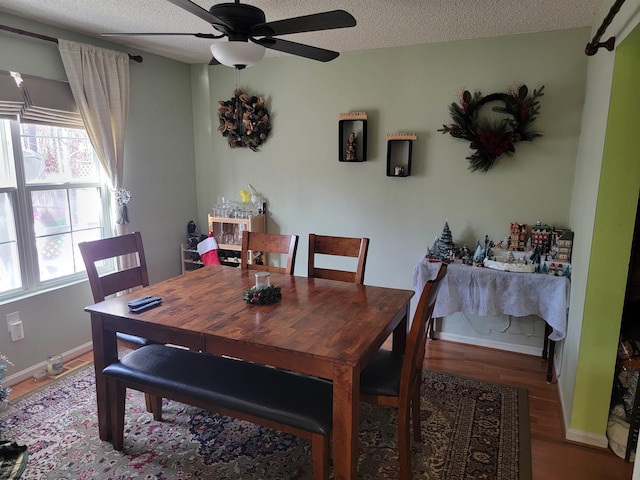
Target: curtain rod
{"points": [[593, 46], [135, 58]]}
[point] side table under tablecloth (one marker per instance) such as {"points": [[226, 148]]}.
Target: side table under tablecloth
{"points": [[487, 292]]}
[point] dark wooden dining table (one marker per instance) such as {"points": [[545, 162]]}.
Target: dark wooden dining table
{"points": [[320, 327]]}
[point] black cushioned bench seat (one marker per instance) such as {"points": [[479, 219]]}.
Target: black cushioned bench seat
{"points": [[276, 398]]}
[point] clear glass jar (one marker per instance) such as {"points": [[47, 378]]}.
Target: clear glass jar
{"points": [[54, 365], [262, 280]]}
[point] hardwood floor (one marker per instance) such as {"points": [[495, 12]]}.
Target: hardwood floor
{"points": [[28, 386], [553, 457]]}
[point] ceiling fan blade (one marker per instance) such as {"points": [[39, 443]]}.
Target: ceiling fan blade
{"points": [[306, 23], [299, 49], [121, 34], [198, 11]]}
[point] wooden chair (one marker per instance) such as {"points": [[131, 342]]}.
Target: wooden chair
{"points": [[111, 248], [269, 243], [119, 281], [393, 379], [338, 246]]}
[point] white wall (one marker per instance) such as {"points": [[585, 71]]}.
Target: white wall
{"points": [[584, 198]]}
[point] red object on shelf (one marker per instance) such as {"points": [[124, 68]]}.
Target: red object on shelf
{"points": [[208, 251]]}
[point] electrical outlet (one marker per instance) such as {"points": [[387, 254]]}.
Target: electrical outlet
{"points": [[11, 319], [17, 332]]}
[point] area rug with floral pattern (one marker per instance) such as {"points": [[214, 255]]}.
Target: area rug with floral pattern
{"points": [[470, 430]]}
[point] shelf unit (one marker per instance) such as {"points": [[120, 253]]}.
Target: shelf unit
{"points": [[228, 234], [189, 258], [397, 166], [355, 122]]}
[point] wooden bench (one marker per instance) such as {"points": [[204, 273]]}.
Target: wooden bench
{"points": [[278, 399]]}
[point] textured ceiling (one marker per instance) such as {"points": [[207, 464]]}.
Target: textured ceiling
{"points": [[380, 23]]}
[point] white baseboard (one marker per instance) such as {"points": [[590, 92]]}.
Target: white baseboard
{"points": [[28, 373], [579, 436], [510, 347], [587, 438], [563, 409]]}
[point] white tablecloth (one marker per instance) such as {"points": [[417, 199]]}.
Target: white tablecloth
{"points": [[486, 292]]}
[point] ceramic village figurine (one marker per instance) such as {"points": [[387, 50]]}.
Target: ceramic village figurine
{"points": [[352, 142]]}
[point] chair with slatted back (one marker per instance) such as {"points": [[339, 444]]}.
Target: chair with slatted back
{"points": [[118, 281], [338, 246], [102, 286], [269, 243], [394, 379]]}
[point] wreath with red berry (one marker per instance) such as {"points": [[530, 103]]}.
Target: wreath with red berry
{"points": [[244, 120], [493, 137], [263, 296]]}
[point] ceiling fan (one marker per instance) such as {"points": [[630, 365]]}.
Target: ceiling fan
{"points": [[242, 24]]}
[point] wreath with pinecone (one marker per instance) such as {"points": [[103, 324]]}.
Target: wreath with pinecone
{"points": [[491, 137], [244, 120]]}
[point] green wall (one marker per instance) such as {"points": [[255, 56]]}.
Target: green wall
{"points": [[405, 89], [612, 237]]}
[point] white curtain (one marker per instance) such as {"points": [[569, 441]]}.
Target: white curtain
{"points": [[99, 80]]}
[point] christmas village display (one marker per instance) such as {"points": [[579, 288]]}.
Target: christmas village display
{"points": [[541, 249]]}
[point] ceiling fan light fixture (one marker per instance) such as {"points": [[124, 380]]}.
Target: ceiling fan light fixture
{"points": [[237, 54]]}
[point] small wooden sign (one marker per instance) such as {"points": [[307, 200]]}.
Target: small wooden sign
{"points": [[402, 136], [352, 116]]}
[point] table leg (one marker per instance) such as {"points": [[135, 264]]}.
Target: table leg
{"points": [[552, 348], [105, 351], [346, 410], [431, 328], [548, 351], [547, 332], [400, 332]]}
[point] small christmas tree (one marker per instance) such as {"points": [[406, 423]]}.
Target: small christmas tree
{"points": [[433, 252], [445, 245]]}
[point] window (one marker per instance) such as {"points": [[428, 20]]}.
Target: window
{"points": [[53, 195]]}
